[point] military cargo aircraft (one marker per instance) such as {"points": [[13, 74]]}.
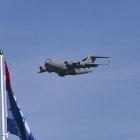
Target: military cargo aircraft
{"points": [[63, 68]]}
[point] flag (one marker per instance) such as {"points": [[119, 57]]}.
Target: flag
{"points": [[16, 123]]}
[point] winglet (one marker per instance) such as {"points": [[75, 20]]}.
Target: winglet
{"points": [[108, 62]]}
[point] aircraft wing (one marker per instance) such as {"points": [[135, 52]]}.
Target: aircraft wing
{"points": [[85, 66], [85, 63], [88, 65], [96, 65]]}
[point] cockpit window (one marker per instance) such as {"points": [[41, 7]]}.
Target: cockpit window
{"points": [[48, 59]]}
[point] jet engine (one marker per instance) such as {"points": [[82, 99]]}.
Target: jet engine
{"points": [[40, 68], [78, 63]]}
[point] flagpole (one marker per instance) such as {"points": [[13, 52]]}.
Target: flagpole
{"points": [[3, 127]]}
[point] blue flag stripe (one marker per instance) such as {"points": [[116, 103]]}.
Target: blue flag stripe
{"points": [[11, 126], [16, 123]]}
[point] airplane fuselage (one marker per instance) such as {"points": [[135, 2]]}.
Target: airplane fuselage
{"points": [[62, 69]]}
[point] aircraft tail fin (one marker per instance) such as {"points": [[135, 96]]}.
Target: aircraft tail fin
{"points": [[91, 59], [88, 59]]}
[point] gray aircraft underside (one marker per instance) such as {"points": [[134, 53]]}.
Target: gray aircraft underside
{"points": [[63, 68]]}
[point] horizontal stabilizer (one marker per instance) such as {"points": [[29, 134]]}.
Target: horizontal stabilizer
{"points": [[93, 58]]}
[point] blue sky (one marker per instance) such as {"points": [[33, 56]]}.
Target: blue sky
{"points": [[103, 105]]}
